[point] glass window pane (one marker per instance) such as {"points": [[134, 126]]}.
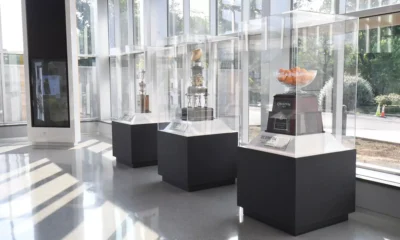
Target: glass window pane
{"points": [[323, 6], [199, 17], [255, 44], [379, 91], [14, 89], [175, 17], [85, 11], [11, 25], [88, 87], [124, 24], [357, 5], [255, 9], [122, 87], [138, 22], [111, 23], [229, 16]]}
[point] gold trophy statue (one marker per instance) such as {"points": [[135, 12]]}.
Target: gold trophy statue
{"points": [[197, 93]]}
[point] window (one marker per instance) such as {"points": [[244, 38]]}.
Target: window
{"points": [[255, 9], [229, 16], [323, 6], [86, 25], [175, 17], [199, 17], [14, 88], [85, 10], [13, 102], [357, 5], [138, 22], [88, 85], [379, 55]]}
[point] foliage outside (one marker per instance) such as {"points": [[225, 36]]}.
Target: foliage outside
{"points": [[364, 92]]}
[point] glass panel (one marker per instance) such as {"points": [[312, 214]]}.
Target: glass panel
{"points": [[229, 16], [49, 93], [111, 24], [143, 98], [85, 21], [357, 5], [379, 91], [124, 24], [11, 25], [175, 17], [14, 89], [307, 96], [199, 17], [255, 44], [88, 87], [138, 22], [200, 94], [323, 6], [122, 86], [255, 9]]}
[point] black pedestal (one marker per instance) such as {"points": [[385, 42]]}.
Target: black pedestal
{"points": [[135, 145], [196, 163], [296, 195]]}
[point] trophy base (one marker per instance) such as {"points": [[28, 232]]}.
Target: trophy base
{"points": [[295, 124], [295, 114], [144, 104], [197, 114]]}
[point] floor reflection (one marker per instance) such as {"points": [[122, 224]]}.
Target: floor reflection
{"points": [[82, 193]]}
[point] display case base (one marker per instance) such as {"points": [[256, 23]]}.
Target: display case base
{"points": [[135, 145], [198, 162], [296, 195]]}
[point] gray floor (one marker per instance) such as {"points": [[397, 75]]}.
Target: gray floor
{"points": [[82, 194]]}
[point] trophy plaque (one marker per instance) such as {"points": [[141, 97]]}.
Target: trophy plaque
{"points": [[295, 112], [197, 93]]}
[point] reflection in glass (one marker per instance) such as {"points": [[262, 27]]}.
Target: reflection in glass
{"points": [[229, 16], [49, 93], [199, 17], [175, 17]]}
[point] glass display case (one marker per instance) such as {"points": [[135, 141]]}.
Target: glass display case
{"points": [[199, 86], [297, 147], [134, 128], [198, 96], [133, 89], [308, 86]]}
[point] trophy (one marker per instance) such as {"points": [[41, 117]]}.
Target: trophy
{"points": [[143, 97], [295, 112], [197, 93]]}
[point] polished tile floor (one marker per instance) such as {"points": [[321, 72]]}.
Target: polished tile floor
{"points": [[81, 193]]}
